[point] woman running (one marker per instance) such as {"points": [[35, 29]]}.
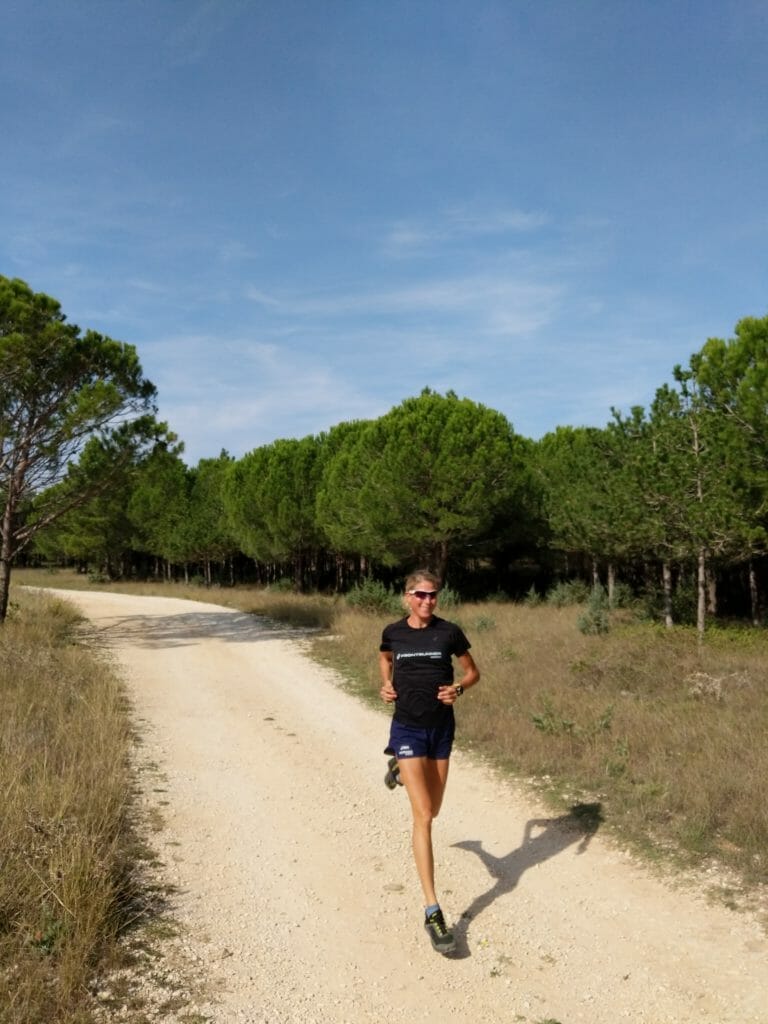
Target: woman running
{"points": [[416, 663]]}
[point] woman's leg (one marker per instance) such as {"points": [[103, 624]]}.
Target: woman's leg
{"points": [[424, 780]]}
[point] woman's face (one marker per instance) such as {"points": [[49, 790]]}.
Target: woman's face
{"points": [[421, 599]]}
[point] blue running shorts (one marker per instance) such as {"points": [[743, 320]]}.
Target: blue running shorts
{"points": [[412, 741]]}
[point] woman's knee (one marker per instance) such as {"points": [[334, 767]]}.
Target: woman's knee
{"points": [[423, 815]]}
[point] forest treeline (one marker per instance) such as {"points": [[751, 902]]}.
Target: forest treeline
{"points": [[670, 501]]}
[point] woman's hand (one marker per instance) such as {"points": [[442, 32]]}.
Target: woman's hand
{"points": [[387, 692]]}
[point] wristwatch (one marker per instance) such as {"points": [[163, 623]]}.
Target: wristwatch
{"points": [[459, 689]]}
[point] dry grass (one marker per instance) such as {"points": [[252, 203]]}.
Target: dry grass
{"points": [[64, 787], [669, 737]]}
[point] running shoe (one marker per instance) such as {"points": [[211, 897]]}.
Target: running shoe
{"points": [[392, 778], [442, 939]]}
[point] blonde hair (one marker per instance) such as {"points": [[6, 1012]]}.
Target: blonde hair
{"points": [[425, 575]]}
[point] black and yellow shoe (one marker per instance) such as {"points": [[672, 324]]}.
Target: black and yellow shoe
{"points": [[442, 939], [392, 778]]}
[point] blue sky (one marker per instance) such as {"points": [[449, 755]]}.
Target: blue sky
{"points": [[304, 211]]}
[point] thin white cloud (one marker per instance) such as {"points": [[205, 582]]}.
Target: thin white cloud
{"points": [[150, 287], [92, 128], [459, 223], [491, 299], [199, 360], [261, 298], [234, 251], [270, 399]]}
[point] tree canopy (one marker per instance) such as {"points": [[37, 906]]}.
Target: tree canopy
{"points": [[59, 388], [270, 503], [422, 482]]}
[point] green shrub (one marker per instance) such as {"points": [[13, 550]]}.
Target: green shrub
{"points": [[596, 619], [533, 598], [373, 596], [449, 598], [684, 601], [622, 596], [568, 592], [283, 586]]}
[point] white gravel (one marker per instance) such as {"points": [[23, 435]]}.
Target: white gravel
{"points": [[295, 887]]}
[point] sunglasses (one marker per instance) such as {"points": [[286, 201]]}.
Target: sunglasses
{"points": [[425, 595]]}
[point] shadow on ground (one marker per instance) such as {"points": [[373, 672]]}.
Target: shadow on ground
{"points": [[543, 838], [185, 628]]}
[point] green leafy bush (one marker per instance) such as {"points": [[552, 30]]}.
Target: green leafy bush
{"points": [[283, 586], [568, 592], [596, 619], [622, 596], [373, 596], [449, 598]]}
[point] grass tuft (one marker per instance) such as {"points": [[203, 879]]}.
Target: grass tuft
{"points": [[64, 777]]}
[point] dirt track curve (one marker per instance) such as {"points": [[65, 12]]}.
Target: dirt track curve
{"points": [[295, 884]]}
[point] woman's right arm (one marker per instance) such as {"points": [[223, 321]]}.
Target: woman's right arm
{"points": [[387, 691]]}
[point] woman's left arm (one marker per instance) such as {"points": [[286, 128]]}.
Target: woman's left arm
{"points": [[470, 669], [449, 694]]}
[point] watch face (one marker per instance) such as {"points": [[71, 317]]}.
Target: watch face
{"points": [[459, 690]]}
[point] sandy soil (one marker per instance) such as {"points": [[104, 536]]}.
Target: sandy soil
{"points": [[294, 879]]}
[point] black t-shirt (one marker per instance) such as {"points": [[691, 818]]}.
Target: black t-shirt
{"points": [[422, 662]]}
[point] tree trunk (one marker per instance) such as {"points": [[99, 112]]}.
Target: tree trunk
{"points": [[711, 594], [6, 556], [5, 585], [666, 579], [298, 573], [754, 594], [442, 560], [595, 574], [611, 577], [701, 587]]}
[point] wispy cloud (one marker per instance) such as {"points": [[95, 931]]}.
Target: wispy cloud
{"points": [[457, 224], [261, 298], [148, 287], [498, 301], [93, 128], [251, 393], [234, 251]]}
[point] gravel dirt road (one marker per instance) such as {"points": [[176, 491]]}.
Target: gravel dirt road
{"points": [[292, 865]]}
